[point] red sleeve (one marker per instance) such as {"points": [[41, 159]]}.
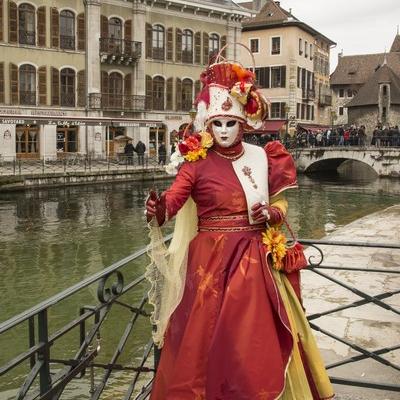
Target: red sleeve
{"points": [[181, 188], [281, 168]]}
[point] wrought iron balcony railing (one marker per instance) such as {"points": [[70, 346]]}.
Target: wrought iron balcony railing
{"points": [[27, 98], [158, 53], [118, 102], [187, 56], [67, 99], [67, 42], [120, 51], [27, 37], [308, 94], [50, 371]]}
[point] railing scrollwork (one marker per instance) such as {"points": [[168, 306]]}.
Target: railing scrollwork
{"points": [[105, 294]]}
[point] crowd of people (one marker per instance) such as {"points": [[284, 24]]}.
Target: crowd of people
{"points": [[346, 136]]}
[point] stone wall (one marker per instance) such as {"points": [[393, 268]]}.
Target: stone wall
{"points": [[367, 116]]}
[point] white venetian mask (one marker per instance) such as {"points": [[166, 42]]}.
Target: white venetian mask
{"points": [[225, 131]]}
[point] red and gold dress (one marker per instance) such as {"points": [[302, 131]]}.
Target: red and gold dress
{"points": [[239, 332]]}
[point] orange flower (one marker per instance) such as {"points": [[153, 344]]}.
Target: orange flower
{"points": [[275, 243]]}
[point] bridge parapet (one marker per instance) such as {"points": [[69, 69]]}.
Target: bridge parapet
{"points": [[384, 161]]}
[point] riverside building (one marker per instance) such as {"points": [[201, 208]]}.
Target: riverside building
{"points": [[83, 77], [292, 67]]}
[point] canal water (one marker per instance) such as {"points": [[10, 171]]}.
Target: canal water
{"points": [[51, 239]]}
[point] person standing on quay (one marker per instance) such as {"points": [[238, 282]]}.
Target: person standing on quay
{"points": [[227, 300], [162, 154], [140, 150]]}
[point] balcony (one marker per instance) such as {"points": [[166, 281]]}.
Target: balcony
{"points": [[27, 98], [325, 100], [116, 102], [27, 37], [119, 51], [67, 42], [67, 99], [308, 94]]}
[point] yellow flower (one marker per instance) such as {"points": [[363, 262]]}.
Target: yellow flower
{"points": [[194, 155], [206, 140], [275, 242]]}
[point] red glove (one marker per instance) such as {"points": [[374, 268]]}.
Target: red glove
{"points": [[262, 212], [155, 207]]}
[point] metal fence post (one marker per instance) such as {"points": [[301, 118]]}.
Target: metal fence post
{"points": [[44, 353]]}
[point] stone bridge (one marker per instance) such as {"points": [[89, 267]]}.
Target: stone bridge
{"points": [[385, 161]]}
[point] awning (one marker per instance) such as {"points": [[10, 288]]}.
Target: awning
{"points": [[269, 127], [77, 121], [312, 127]]}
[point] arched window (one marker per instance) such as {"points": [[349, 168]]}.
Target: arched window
{"points": [[115, 90], [158, 42], [26, 23], [158, 93], [67, 30], [115, 35], [27, 84], [187, 94], [213, 44], [187, 46], [67, 86]]}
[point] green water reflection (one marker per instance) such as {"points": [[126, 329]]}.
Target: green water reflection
{"points": [[51, 239]]}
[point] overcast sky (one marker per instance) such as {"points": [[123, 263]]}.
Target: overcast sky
{"points": [[357, 26]]}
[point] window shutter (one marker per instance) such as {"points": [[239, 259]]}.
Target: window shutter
{"points": [[149, 37], [14, 83], [55, 87], [178, 95], [128, 85], [170, 44], [81, 88], [104, 82], [223, 43], [205, 48], [55, 28], [197, 88], [283, 76], [267, 77], [104, 26], [170, 90], [1, 20], [178, 45], [41, 26], [128, 30], [42, 72], [197, 48], [1, 83], [149, 93], [81, 31], [12, 22]]}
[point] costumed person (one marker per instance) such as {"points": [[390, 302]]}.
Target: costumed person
{"points": [[226, 293]]}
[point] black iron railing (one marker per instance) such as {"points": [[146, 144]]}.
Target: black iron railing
{"points": [[27, 37], [118, 102], [49, 375], [121, 47], [67, 42], [27, 98]]}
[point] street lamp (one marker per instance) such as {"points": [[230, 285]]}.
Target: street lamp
{"points": [[193, 113]]}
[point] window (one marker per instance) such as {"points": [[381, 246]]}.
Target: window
{"points": [[254, 43], [278, 76], [300, 47], [305, 49], [311, 51], [27, 85], [298, 77], [298, 110], [67, 92], [67, 30], [262, 76], [384, 90], [158, 42], [115, 90], [213, 44], [26, 23], [187, 94], [115, 35], [67, 139], [276, 45], [383, 112], [340, 110], [341, 92], [27, 140], [158, 93], [278, 110], [187, 47], [349, 93]]}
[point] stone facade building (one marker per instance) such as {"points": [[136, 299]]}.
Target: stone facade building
{"points": [[292, 67], [351, 74], [75, 75]]}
